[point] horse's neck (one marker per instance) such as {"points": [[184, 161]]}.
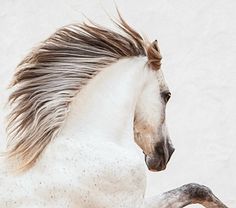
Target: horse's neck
{"points": [[104, 109]]}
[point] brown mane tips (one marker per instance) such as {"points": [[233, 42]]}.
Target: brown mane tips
{"points": [[154, 56]]}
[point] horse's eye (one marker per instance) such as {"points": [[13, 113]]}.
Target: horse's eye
{"points": [[166, 96]]}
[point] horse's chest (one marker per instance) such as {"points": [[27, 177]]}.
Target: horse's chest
{"points": [[108, 176], [112, 162]]}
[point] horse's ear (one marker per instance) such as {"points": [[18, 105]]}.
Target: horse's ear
{"points": [[155, 45], [154, 56]]}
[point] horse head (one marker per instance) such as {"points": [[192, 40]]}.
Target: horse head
{"points": [[150, 129]]}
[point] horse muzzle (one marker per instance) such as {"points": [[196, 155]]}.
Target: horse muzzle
{"points": [[159, 160], [155, 164]]}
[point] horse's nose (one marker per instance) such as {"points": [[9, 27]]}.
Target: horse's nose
{"points": [[164, 151]]}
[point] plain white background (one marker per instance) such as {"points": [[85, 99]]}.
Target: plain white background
{"points": [[198, 44]]}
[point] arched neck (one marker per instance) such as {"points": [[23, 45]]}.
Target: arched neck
{"points": [[104, 109]]}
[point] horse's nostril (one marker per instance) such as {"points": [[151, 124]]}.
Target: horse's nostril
{"points": [[172, 151]]}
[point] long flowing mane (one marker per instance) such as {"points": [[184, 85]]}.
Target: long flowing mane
{"points": [[47, 80]]}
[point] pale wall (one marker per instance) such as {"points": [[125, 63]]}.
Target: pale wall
{"points": [[198, 44]]}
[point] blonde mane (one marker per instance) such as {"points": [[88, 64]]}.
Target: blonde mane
{"points": [[47, 80]]}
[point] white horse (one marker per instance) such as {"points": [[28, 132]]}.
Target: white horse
{"points": [[81, 101]]}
